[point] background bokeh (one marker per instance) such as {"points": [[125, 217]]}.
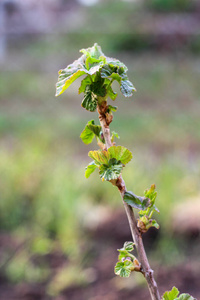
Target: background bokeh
{"points": [[59, 232]]}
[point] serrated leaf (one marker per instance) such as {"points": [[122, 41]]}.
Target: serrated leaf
{"points": [[90, 100], [125, 272], [128, 246], [99, 156], [94, 51], [155, 224], [84, 83], [122, 269], [120, 153], [90, 169], [98, 88], [110, 171], [96, 129], [122, 254], [114, 134], [171, 295], [111, 93], [118, 267], [89, 132], [185, 297], [112, 108], [65, 80], [127, 88], [136, 201]]}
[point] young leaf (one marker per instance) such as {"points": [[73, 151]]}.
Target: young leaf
{"points": [[136, 201], [127, 88], [90, 169], [111, 93], [90, 100], [111, 108], [120, 153], [110, 171], [128, 246], [94, 52], [114, 134], [155, 224], [185, 297], [123, 269], [66, 78], [100, 156], [171, 295], [84, 83], [87, 134]]}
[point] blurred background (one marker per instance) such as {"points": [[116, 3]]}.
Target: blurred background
{"points": [[59, 232]]}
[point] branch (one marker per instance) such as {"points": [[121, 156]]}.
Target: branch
{"points": [[136, 234]]}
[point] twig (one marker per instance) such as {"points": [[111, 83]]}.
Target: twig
{"points": [[136, 234]]}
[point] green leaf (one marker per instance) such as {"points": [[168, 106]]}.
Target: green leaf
{"points": [[120, 153], [90, 131], [98, 88], [90, 100], [123, 269], [111, 93], [127, 88], [185, 297], [128, 246], [86, 81], [155, 224], [94, 51], [171, 295], [90, 169], [114, 134], [118, 267], [87, 134], [110, 171], [112, 108], [65, 80], [99, 156], [136, 201], [122, 254]]}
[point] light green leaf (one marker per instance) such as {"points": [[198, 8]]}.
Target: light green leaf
{"points": [[90, 100], [111, 93], [64, 81], [120, 153], [128, 246], [89, 132], [136, 201], [118, 267], [112, 108], [185, 297], [125, 272], [127, 88], [94, 51], [110, 171], [171, 295], [155, 224], [122, 254], [114, 134], [90, 169], [123, 269], [86, 81], [99, 156]]}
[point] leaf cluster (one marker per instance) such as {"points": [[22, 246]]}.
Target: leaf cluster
{"points": [[127, 262], [173, 295], [109, 162], [146, 205], [100, 72]]}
